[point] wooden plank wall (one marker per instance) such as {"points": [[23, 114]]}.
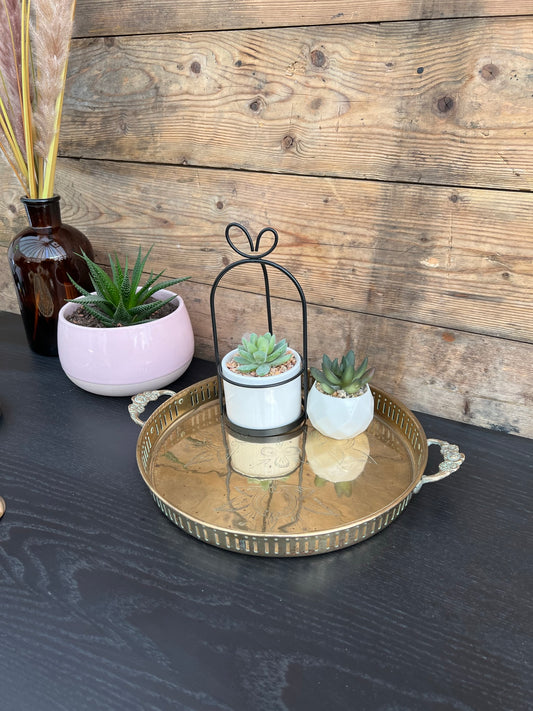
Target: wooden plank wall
{"points": [[390, 143]]}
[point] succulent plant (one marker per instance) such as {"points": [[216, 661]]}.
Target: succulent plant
{"points": [[260, 353], [336, 376], [118, 300]]}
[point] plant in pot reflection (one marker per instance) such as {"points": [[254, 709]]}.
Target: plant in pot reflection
{"points": [[260, 390], [337, 462], [124, 338], [264, 459], [340, 404]]}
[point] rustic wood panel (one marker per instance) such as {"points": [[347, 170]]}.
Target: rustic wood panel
{"points": [[453, 258], [100, 17], [462, 376], [447, 102]]}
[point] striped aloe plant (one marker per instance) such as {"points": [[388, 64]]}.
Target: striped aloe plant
{"points": [[118, 300]]}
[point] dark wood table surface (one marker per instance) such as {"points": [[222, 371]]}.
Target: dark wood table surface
{"points": [[105, 604]]}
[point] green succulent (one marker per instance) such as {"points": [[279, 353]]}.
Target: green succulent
{"points": [[118, 300], [345, 376], [260, 353]]}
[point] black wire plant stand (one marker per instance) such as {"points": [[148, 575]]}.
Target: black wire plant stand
{"points": [[256, 257]]}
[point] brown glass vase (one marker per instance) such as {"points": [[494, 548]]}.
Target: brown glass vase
{"points": [[41, 257]]}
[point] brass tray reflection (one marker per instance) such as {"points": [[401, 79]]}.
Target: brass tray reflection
{"points": [[293, 495]]}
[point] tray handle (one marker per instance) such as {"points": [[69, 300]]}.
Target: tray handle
{"points": [[139, 402], [452, 460]]}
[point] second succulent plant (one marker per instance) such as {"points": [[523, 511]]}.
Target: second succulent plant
{"points": [[344, 376]]}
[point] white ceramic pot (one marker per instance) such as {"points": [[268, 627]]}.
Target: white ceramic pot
{"points": [[126, 360], [259, 408], [340, 418]]}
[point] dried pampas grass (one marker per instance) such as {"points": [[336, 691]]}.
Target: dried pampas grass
{"points": [[34, 48], [10, 29]]}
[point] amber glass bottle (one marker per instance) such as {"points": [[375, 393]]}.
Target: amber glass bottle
{"points": [[41, 257]]}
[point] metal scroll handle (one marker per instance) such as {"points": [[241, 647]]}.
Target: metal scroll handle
{"points": [[139, 402], [452, 460]]}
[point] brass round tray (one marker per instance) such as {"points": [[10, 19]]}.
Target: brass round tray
{"points": [[295, 495]]}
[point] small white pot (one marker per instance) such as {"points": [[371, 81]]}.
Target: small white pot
{"points": [[340, 418], [126, 360], [260, 408]]}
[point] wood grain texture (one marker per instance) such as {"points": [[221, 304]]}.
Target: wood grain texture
{"points": [[99, 17], [453, 258], [104, 604], [11, 221], [447, 102]]}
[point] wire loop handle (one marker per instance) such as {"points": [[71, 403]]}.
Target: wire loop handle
{"points": [[254, 248]]}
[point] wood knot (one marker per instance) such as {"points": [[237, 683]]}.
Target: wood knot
{"points": [[287, 142], [445, 104], [255, 105], [489, 72], [195, 67], [318, 58], [220, 205]]}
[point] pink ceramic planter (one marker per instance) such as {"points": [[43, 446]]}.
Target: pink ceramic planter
{"points": [[126, 360]]}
